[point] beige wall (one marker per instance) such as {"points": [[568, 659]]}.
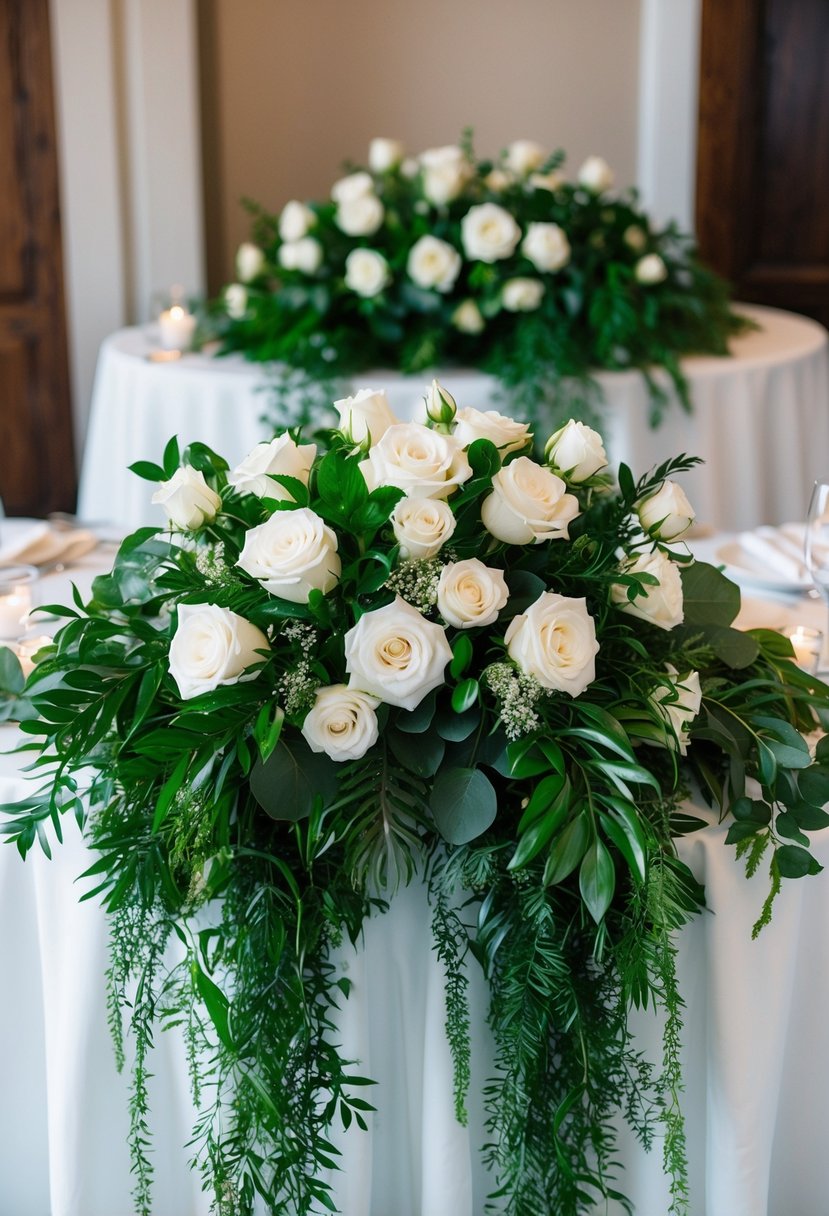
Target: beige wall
{"points": [[291, 88]]}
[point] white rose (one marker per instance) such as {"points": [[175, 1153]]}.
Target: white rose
{"points": [[497, 180], [187, 499], [523, 156], [250, 261], [422, 526], [678, 702], [282, 457], [424, 463], [547, 181], [354, 186], [342, 723], [445, 173], [650, 269], [409, 168], [596, 175], [546, 246], [575, 452], [367, 413], [635, 238], [666, 513], [236, 301], [441, 407], [212, 646], [360, 216], [471, 594], [433, 263], [366, 272], [395, 654], [384, 154], [528, 504], [661, 604], [304, 254], [555, 641], [467, 318], [295, 221], [507, 434], [522, 295], [292, 554], [489, 233]]}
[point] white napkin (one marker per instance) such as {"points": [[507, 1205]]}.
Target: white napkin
{"points": [[777, 551], [35, 543]]}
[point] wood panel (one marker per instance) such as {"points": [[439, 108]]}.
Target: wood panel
{"points": [[37, 463]]}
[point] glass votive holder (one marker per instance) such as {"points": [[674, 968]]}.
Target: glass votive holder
{"points": [[27, 648], [16, 583], [807, 644]]}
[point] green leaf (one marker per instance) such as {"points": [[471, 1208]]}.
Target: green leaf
{"points": [[709, 598], [789, 747], [624, 826], [461, 655], [525, 759], [268, 728], [416, 721], [421, 754], [455, 727], [169, 790], [217, 1006], [171, 458], [287, 784], [813, 784], [465, 695], [810, 818], [787, 826], [148, 471], [567, 850], [732, 646], [341, 484], [794, 862], [627, 484], [544, 822], [597, 880], [11, 673], [464, 804]]}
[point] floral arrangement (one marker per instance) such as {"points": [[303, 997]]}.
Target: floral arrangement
{"points": [[400, 650], [502, 265]]}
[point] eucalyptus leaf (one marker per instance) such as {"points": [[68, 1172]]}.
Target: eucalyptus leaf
{"points": [[463, 803], [287, 784], [421, 754], [708, 597]]}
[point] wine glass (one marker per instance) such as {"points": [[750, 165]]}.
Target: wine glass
{"points": [[816, 551]]}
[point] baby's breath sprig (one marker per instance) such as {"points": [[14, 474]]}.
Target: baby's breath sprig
{"points": [[417, 582], [517, 695]]}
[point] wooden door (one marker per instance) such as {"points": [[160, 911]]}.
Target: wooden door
{"points": [[37, 471], [762, 213]]}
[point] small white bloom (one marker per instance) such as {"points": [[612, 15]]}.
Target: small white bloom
{"points": [[489, 233], [424, 463], [422, 526], [236, 301], [292, 554], [467, 318], [650, 269], [524, 156], [366, 414], [470, 594], [555, 642], [187, 499], [384, 154], [528, 504], [441, 406], [445, 173], [304, 254], [666, 513], [635, 238], [212, 646], [295, 221], [342, 723], [366, 272], [575, 452], [678, 702], [546, 246], [507, 434], [497, 180], [661, 604], [282, 457], [395, 654], [433, 263], [360, 216], [547, 181], [354, 186], [409, 168], [596, 175], [250, 261], [522, 295]]}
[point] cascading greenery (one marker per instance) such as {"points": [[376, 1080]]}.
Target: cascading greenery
{"points": [[233, 860]]}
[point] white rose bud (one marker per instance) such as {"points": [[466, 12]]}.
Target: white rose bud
{"points": [[282, 457], [250, 261], [547, 181], [354, 186], [555, 642], [661, 605], [295, 221], [497, 180], [489, 233], [365, 415], [366, 272], [470, 594], [384, 154], [304, 255], [650, 270], [212, 646], [467, 318], [395, 654], [576, 452], [187, 499], [522, 295], [678, 702], [441, 406], [666, 513], [546, 246], [236, 301], [342, 723], [422, 462], [596, 175], [528, 504], [360, 216], [445, 173], [523, 156], [422, 526], [292, 554], [635, 238], [433, 263], [507, 434]]}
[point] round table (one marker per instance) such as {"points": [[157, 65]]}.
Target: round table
{"points": [[760, 420]]}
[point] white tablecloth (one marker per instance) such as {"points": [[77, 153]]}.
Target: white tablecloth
{"points": [[756, 1065], [760, 420]]}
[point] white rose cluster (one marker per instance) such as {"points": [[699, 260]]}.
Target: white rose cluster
{"points": [[445, 171], [529, 504], [342, 723], [359, 211], [304, 255], [489, 233], [419, 461], [554, 641], [395, 654], [292, 554], [470, 594], [212, 646]]}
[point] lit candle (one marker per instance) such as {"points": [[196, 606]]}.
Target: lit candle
{"points": [[807, 644], [15, 599], [176, 327]]}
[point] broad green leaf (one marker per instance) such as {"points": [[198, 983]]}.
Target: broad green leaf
{"points": [[217, 1005], [415, 721], [597, 880], [171, 458], [525, 759], [464, 804], [708, 597], [268, 728], [11, 673], [420, 754], [542, 827], [567, 850], [813, 784], [787, 826], [465, 695], [810, 818], [541, 799], [733, 646], [455, 727], [794, 862], [461, 655], [148, 471], [288, 782]]}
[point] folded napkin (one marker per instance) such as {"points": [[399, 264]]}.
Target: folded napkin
{"points": [[36, 543], [777, 552]]}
